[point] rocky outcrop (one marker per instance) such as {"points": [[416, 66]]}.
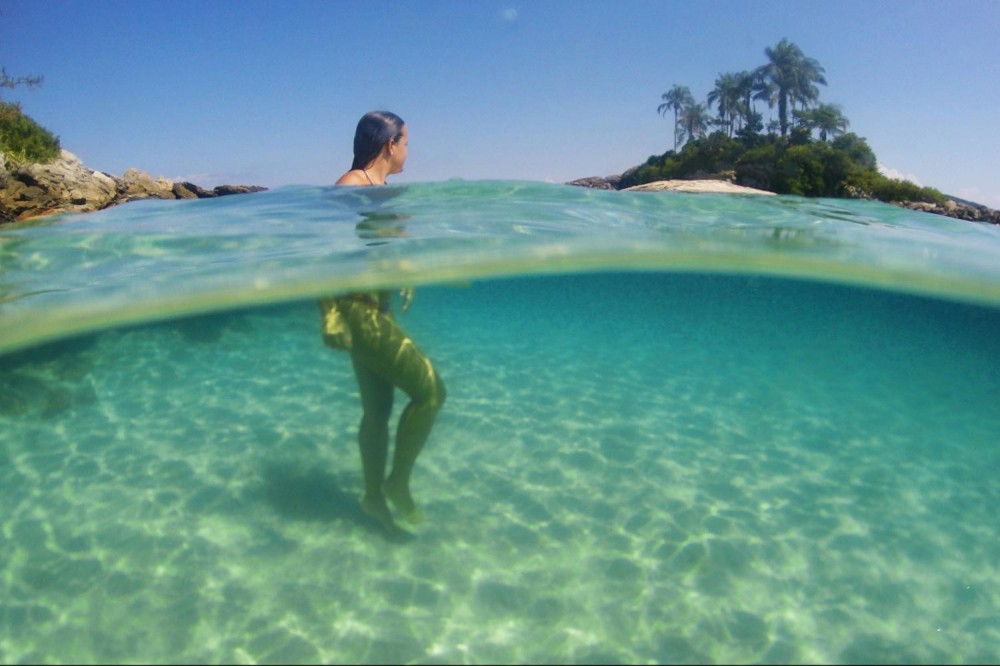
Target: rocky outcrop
{"points": [[135, 184], [598, 182], [44, 189], [959, 209], [67, 186]]}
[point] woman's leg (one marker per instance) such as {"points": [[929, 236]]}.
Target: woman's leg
{"points": [[383, 350], [373, 437], [411, 434]]}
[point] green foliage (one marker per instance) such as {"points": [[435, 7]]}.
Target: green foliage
{"points": [[827, 119], [812, 170], [758, 165], [869, 182], [709, 155], [750, 133], [23, 140], [796, 164], [857, 149]]}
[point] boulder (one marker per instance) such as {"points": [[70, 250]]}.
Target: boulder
{"points": [[598, 182], [191, 191], [65, 185], [185, 191], [224, 190], [958, 209], [135, 184]]}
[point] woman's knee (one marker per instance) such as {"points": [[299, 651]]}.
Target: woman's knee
{"points": [[434, 393], [439, 391]]}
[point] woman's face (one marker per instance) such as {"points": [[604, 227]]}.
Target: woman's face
{"points": [[398, 152]]}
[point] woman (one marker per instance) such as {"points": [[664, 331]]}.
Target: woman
{"points": [[384, 356]]}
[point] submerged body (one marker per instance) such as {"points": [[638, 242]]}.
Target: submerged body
{"points": [[384, 358]]}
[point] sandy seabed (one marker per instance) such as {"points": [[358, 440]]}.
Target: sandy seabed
{"points": [[628, 469]]}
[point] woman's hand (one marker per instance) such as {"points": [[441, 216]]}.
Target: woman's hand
{"points": [[335, 331], [406, 293]]}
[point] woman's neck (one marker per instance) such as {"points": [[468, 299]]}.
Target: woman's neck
{"points": [[376, 173]]}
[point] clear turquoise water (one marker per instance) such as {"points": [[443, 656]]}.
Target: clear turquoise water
{"points": [[680, 428]]}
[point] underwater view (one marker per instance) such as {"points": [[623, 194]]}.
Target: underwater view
{"points": [[679, 428]]}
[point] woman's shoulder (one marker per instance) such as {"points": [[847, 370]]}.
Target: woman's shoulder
{"points": [[353, 177]]}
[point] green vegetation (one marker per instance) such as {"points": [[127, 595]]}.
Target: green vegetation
{"points": [[22, 140], [788, 158]]}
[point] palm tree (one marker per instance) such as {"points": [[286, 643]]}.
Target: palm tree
{"points": [[762, 89], [754, 86], [677, 98], [693, 121], [827, 118], [747, 82], [729, 96], [791, 76]]}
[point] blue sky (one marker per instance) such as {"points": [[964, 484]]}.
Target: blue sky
{"points": [[268, 93]]}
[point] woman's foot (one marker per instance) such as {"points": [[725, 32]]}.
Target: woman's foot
{"points": [[379, 510], [399, 494]]}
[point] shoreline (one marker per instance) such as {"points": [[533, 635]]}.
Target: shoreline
{"points": [[700, 186], [33, 191], [66, 186], [955, 208]]}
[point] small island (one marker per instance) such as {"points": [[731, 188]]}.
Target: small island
{"points": [[806, 150]]}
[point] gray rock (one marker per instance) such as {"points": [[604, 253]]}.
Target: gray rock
{"points": [[957, 209], [67, 186], [135, 184], [224, 190], [192, 189], [598, 182], [182, 191]]}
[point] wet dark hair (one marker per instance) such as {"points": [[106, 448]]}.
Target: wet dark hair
{"points": [[375, 129]]}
